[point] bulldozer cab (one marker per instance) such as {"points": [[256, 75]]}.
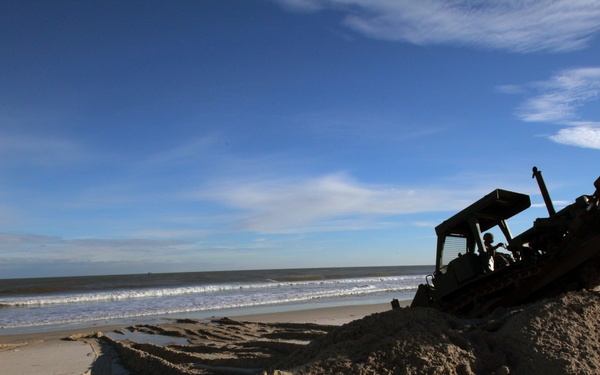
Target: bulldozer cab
{"points": [[461, 253], [552, 256]]}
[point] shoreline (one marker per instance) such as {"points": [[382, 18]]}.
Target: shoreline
{"points": [[337, 315], [331, 315], [48, 352], [203, 314]]}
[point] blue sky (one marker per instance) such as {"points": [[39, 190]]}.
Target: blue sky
{"points": [[171, 136]]}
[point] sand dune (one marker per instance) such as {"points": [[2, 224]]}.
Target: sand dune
{"points": [[553, 336]]}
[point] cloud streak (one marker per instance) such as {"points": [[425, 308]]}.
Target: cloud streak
{"points": [[287, 206], [22, 253], [29, 150], [52, 248], [560, 100], [516, 26], [330, 202], [562, 95], [581, 136], [361, 127]]}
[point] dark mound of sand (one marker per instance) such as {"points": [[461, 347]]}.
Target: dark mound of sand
{"points": [[559, 335], [554, 336]]}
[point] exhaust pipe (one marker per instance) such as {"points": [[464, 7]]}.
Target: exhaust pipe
{"points": [[540, 180]]}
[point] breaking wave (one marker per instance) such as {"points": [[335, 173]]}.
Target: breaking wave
{"points": [[383, 284]]}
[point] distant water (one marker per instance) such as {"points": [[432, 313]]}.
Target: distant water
{"points": [[64, 301]]}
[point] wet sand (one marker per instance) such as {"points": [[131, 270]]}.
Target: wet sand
{"points": [[80, 351]]}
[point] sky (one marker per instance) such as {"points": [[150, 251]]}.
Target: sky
{"points": [[175, 136]]}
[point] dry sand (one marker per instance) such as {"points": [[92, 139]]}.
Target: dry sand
{"points": [[53, 353], [559, 335], [71, 352]]}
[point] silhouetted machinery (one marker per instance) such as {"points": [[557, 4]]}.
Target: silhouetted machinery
{"points": [[557, 254]]}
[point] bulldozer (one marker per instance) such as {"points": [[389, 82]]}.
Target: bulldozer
{"points": [[558, 253]]}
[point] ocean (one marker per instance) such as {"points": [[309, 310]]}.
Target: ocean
{"points": [[64, 302]]}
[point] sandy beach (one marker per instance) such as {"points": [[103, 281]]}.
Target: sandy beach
{"points": [[557, 335], [54, 353]]}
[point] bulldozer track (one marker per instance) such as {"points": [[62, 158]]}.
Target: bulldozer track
{"points": [[492, 287]]}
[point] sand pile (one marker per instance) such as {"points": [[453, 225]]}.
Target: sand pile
{"points": [[554, 336]]}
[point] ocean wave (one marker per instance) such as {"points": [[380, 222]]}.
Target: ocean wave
{"points": [[388, 283], [217, 304]]}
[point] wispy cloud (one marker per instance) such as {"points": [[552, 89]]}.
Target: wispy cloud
{"points": [[362, 127], [518, 26], [302, 5], [190, 151], [42, 247], [291, 206], [172, 233], [560, 100], [562, 95], [330, 202], [41, 255], [581, 136], [44, 151]]}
